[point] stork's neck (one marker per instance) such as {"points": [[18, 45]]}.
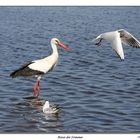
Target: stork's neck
{"points": [[54, 49]]}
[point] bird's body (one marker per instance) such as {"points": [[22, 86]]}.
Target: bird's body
{"points": [[38, 68], [50, 109], [116, 38]]}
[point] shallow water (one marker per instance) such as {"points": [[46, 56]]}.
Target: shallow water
{"points": [[96, 92]]}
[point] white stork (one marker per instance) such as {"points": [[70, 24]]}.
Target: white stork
{"points": [[38, 68]]}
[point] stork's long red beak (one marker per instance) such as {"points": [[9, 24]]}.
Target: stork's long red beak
{"points": [[63, 46]]}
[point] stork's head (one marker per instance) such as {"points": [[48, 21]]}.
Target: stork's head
{"points": [[56, 42]]}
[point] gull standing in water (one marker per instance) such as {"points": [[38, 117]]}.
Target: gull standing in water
{"points": [[116, 38], [38, 68]]}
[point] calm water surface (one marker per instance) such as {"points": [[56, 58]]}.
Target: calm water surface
{"points": [[96, 92]]}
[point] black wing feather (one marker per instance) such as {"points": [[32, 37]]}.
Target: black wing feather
{"points": [[24, 70]]}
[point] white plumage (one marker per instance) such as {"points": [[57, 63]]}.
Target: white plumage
{"points": [[44, 65], [50, 109]]}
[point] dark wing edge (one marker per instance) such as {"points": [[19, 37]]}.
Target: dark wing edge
{"points": [[19, 71], [129, 39]]}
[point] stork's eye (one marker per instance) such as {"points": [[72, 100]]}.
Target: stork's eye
{"points": [[56, 41]]}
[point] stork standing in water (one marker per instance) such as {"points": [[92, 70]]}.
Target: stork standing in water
{"points": [[38, 68]]}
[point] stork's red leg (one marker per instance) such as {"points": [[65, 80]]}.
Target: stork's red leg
{"points": [[38, 85]]}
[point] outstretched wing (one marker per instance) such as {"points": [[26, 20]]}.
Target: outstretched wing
{"points": [[117, 45], [128, 39]]}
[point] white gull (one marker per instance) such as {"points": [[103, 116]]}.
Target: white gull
{"points": [[50, 109], [116, 38]]}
